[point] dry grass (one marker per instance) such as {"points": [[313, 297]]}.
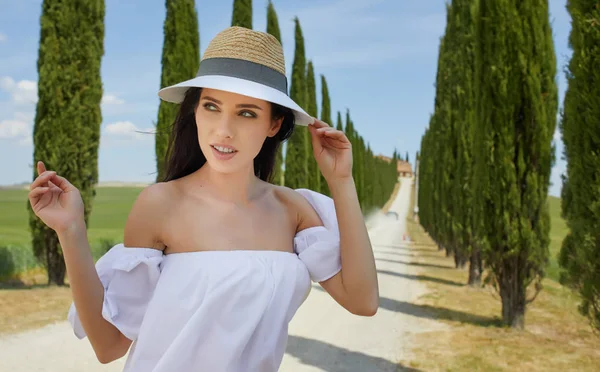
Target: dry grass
{"points": [[28, 303], [556, 337]]}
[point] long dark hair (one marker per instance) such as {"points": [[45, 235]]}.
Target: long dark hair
{"points": [[184, 155]]}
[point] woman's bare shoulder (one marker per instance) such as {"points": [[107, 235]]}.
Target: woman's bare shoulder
{"points": [[306, 216], [143, 226]]}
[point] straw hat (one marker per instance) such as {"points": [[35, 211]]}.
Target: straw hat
{"points": [[242, 61]]}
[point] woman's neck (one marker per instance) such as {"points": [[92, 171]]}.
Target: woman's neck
{"points": [[240, 188]]}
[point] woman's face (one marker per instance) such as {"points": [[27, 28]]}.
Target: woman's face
{"points": [[232, 128]]}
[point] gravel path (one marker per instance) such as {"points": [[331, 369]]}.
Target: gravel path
{"points": [[323, 336]]}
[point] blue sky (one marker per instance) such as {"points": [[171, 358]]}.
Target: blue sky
{"points": [[379, 58]]}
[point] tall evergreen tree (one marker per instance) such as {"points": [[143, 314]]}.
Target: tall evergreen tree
{"points": [[580, 127], [452, 185], [242, 13], [516, 119], [296, 158], [326, 117], [325, 102], [339, 125], [66, 130], [273, 29], [360, 164], [272, 22], [180, 61], [314, 174], [463, 110]]}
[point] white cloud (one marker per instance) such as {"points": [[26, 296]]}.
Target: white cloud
{"points": [[126, 130], [13, 128], [18, 128], [25, 91], [111, 99], [2, 37], [22, 92]]}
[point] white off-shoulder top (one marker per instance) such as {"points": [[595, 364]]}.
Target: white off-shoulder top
{"points": [[218, 311]]}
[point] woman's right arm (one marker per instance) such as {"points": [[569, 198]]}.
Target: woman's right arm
{"points": [[58, 204], [88, 295]]}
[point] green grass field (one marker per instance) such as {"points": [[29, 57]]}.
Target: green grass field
{"points": [[111, 207], [107, 221]]}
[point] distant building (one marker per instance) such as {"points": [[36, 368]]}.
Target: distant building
{"points": [[404, 167]]}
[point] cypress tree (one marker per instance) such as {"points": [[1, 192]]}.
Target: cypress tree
{"points": [[437, 221], [580, 127], [272, 22], [273, 29], [242, 13], [516, 118], [360, 164], [325, 102], [326, 117], [314, 174], [452, 185], [296, 158], [463, 105], [180, 61], [66, 130], [339, 125]]}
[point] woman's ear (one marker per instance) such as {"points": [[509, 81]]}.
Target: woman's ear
{"points": [[275, 126]]}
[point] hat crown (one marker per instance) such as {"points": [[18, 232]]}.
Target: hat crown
{"points": [[245, 44]]}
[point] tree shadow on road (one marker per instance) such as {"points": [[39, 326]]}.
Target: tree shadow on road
{"points": [[333, 358], [433, 255], [416, 263], [433, 312], [406, 248], [421, 277]]}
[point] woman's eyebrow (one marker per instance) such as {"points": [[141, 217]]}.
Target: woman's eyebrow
{"points": [[248, 105], [212, 99]]}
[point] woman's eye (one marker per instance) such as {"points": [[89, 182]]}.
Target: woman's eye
{"points": [[248, 114], [210, 107]]}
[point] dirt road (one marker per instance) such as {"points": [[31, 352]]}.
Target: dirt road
{"points": [[323, 336]]}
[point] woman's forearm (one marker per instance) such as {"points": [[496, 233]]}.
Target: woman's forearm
{"points": [[359, 274], [88, 293]]}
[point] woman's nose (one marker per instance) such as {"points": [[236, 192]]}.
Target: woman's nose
{"points": [[225, 127]]}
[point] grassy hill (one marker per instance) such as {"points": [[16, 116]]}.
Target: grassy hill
{"points": [[107, 221]]}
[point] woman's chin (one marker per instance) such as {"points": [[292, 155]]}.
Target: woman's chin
{"points": [[225, 167]]}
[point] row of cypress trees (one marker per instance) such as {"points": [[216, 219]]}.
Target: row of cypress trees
{"points": [[68, 117], [374, 177], [487, 154], [580, 127]]}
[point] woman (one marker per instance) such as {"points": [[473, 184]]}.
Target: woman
{"points": [[215, 260]]}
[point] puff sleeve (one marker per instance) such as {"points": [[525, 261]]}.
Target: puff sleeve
{"points": [[129, 276], [319, 247]]}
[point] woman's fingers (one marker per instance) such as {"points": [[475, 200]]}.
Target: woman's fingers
{"points": [[62, 183], [42, 179], [37, 192], [41, 167], [320, 124]]}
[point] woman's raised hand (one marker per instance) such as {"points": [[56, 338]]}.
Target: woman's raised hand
{"points": [[56, 201]]}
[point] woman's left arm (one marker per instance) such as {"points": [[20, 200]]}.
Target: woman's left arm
{"points": [[355, 287]]}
